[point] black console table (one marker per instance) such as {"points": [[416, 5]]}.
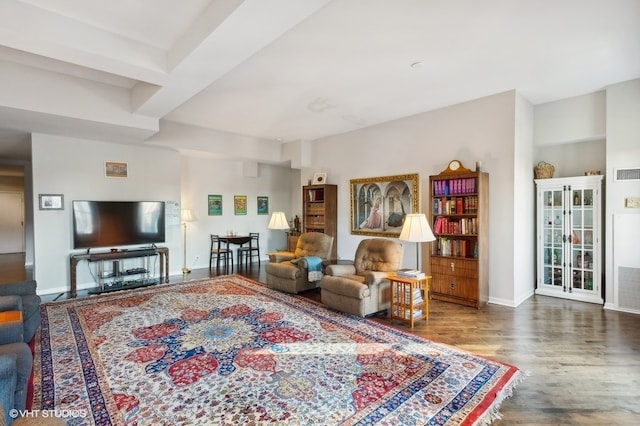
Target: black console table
{"points": [[115, 255]]}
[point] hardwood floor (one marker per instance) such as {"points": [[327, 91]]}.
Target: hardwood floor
{"points": [[584, 362]]}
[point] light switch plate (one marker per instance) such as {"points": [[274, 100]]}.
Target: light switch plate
{"points": [[632, 202]]}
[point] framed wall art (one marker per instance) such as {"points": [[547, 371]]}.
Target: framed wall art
{"points": [[240, 204], [214, 205], [319, 178], [51, 201], [115, 169], [263, 205], [379, 205]]}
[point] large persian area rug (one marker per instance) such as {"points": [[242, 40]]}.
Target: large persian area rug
{"points": [[228, 350]]}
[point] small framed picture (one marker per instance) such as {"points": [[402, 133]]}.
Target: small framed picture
{"points": [[51, 201], [240, 204], [319, 178], [263, 205], [115, 169], [214, 204]]}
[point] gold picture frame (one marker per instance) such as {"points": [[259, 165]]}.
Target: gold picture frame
{"points": [[379, 204], [116, 169]]}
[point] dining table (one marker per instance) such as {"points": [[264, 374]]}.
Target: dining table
{"points": [[238, 240]]}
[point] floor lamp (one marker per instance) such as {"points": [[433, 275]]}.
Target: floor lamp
{"points": [[278, 221], [185, 216], [416, 229]]}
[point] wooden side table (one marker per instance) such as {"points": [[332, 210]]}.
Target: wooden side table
{"points": [[409, 298]]}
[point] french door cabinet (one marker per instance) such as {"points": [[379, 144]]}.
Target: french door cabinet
{"points": [[569, 238]]}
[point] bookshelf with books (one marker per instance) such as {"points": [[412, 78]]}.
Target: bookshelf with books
{"points": [[320, 212], [459, 257]]}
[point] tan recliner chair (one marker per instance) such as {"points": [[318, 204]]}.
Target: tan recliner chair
{"points": [[287, 271], [362, 288]]}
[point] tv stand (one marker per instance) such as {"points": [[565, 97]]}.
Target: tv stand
{"points": [[116, 256]]}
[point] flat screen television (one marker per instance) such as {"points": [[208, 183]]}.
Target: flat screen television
{"points": [[117, 223]]}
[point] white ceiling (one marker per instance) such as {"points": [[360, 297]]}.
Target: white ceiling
{"points": [[286, 70]]}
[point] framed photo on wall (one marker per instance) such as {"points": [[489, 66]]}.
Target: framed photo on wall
{"points": [[214, 205], [263, 205], [51, 201], [115, 169], [379, 205], [240, 204]]}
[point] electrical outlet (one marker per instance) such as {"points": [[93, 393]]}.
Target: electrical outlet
{"points": [[632, 202], [196, 259]]}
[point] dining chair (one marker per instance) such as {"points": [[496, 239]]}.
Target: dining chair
{"points": [[221, 251], [245, 254]]}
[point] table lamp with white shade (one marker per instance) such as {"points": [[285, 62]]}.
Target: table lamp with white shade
{"points": [[416, 229]]}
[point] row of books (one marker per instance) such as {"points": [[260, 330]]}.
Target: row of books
{"points": [[454, 186], [465, 226], [405, 296], [417, 314], [461, 248], [456, 205]]}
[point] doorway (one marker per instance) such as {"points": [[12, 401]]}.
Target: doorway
{"points": [[12, 239]]}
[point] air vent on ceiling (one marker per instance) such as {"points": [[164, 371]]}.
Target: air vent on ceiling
{"points": [[628, 174]]}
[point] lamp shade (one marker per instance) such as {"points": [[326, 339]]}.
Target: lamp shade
{"points": [[186, 215], [416, 229], [278, 221]]}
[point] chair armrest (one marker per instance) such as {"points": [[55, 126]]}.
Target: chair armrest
{"points": [[11, 332], [374, 277], [21, 288], [10, 303], [338, 270], [281, 256]]}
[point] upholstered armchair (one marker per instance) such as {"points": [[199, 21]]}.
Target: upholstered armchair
{"points": [[362, 288], [289, 271], [21, 296], [15, 368]]}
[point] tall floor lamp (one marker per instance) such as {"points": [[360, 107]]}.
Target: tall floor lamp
{"points": [[416, 229], [185, 216], [278, 221]]}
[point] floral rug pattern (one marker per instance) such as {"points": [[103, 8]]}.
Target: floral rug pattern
{"points": [[229, 350]]}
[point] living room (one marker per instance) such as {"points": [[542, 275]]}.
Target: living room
{"points": [[71, 130]]}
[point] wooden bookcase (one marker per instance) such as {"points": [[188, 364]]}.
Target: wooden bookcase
{"points": [[459, 257], [320, 212]]}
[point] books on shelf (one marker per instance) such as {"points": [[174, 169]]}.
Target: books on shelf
{"points": [[455, 186], [417, 314]]}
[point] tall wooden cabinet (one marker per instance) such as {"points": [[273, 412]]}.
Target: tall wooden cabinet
{"points": [[569, 238], [320, 212], [459, 257]]}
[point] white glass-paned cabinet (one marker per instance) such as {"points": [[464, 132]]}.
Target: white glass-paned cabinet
{"points": [[569, 238]]}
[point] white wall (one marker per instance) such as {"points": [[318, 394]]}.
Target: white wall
{"points": [[482, 130], [523, 204], [576, 119], [75, 168], [575, 158], [623, 151], [202, 177]]}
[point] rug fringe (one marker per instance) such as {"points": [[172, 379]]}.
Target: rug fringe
{"points": [[493, 413]]}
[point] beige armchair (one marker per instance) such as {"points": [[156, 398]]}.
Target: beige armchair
{"points": [[362, 288], [287, 271]]}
